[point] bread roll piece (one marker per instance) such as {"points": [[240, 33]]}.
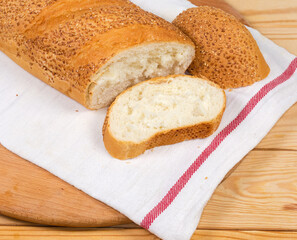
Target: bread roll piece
{"points": [[226, 52], [91, 50], [162, 111]]}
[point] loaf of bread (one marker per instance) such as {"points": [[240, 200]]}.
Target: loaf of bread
{"points": [[162, 111], [226, 52], [91, 50]]}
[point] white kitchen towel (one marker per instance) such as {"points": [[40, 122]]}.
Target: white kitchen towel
{"points": [[167, 9], [163, 190]]}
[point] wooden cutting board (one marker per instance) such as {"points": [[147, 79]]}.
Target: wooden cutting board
{"points": [[30, 193]]}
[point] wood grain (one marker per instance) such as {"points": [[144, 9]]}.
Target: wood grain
{"points": [[283, 135], [275, 19], [243, 235], [259, 194], [47, 233], [30, 193]]}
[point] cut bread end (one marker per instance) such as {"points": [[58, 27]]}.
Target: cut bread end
{"points": [[162, 111], [135, 65]]}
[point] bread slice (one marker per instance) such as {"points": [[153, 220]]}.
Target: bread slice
{"points": [[91, 50], [162, 111], [226, 52]]}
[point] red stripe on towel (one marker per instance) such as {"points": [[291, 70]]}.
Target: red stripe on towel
{"points": [[183, 180]]}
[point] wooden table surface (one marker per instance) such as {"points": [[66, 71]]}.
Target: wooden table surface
{"points": [[258, 200]]}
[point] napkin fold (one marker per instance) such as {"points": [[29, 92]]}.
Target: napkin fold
{"points": [[165, 189]]}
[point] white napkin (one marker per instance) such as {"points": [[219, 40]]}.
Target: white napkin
{"points": [[163, 190], [167, 9]]}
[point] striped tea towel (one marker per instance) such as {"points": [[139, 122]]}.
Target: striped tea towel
{"points": [[164, 190]]}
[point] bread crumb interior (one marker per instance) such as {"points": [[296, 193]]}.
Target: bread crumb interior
{"points": [[151, 107], [135, 65]]}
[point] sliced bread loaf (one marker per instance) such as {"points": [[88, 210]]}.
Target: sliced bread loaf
{"points": [[162, 111], [91, 50]]}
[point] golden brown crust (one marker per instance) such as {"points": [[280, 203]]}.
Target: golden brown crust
{"points": [[226, 52], [124, 150], [65, 42]]}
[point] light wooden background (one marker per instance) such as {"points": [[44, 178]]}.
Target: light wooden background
{"points": [[259, 199]]}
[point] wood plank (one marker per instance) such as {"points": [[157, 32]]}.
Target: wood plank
{"points": [[288, 44], [259, 195], [284, 134], [242, 235], [255, 9], [277, 20], [46, 233]]}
